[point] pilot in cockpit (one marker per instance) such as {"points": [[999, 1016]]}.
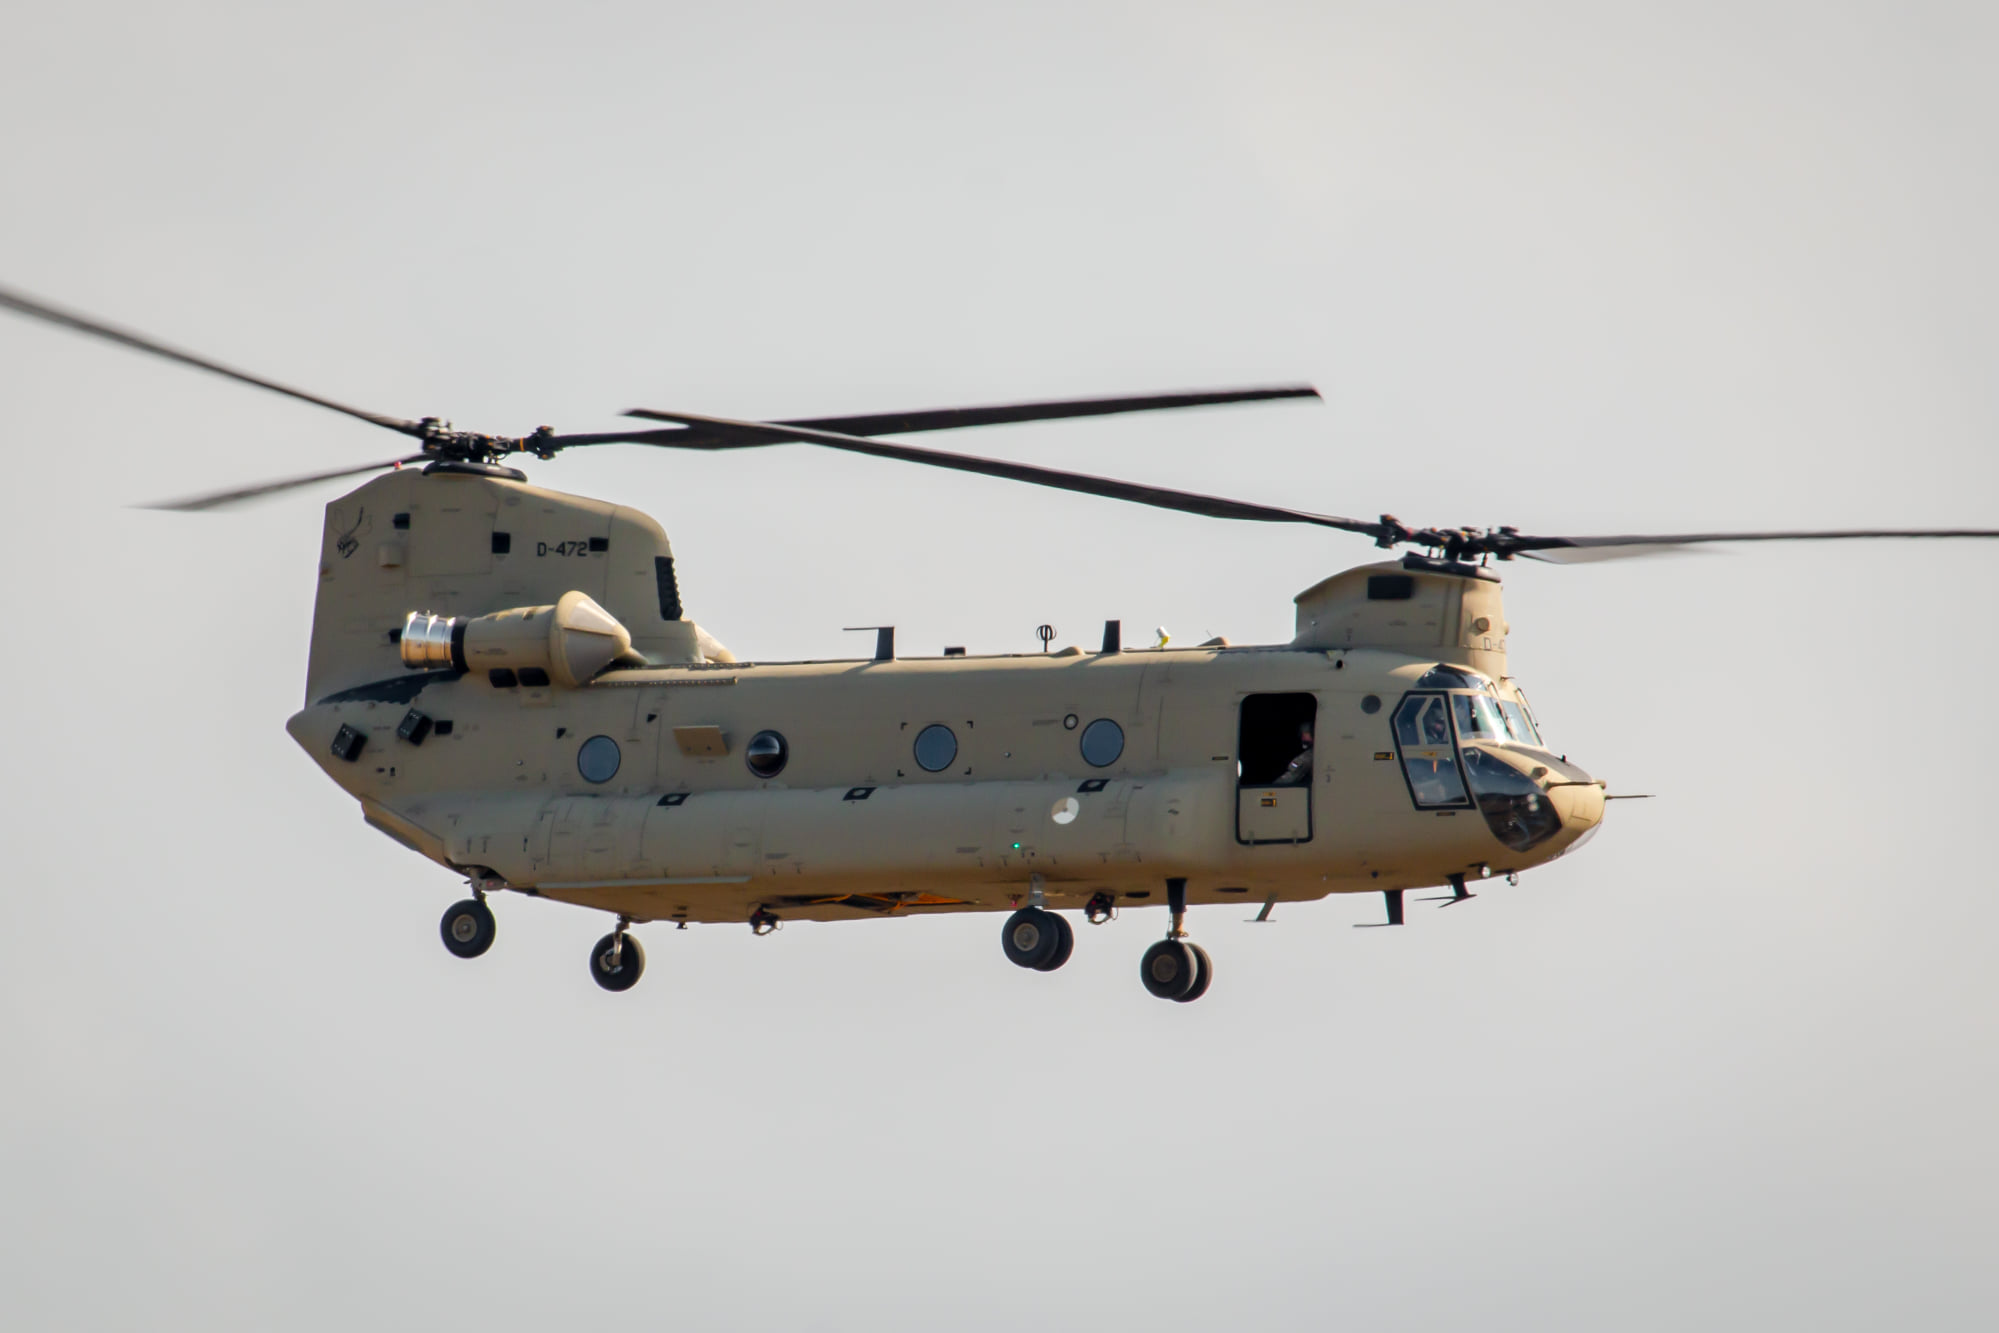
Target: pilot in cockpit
{"points": [[1436, 725]]}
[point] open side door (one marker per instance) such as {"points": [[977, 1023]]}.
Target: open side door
{"points": [[1274, 769]]}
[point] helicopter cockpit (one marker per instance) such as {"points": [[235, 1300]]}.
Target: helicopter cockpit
{"points": [[1464, 744]]}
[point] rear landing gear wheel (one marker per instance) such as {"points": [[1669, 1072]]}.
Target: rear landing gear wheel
{"points": [[617, 962], [1204, 973], [1170, 969], [1032, 937], [468, 928], [1065, 946]]}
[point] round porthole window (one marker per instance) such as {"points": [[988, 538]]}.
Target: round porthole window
{"points": [[1103, 742], [766, 754], [1371, 704], [936, 747], [597, 759]]}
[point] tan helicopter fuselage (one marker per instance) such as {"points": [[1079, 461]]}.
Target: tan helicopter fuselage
{"points": [[901, 785]]}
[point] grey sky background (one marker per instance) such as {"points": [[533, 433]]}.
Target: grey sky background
{"points": [[1575, 267]]}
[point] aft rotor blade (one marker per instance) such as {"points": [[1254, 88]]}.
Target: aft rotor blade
{"points": [[1160, 497], [21, 303], [1580, 550], [942, 418], [263, 490]]}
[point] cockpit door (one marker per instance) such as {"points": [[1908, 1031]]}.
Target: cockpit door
{"points": [[1274, 769], [1429, 754]]}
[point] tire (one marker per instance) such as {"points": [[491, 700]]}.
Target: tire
{"points": [[1031, 937], [468, 928], [1204, 973], [1169, 969], [1063, 947], [631, 965]]}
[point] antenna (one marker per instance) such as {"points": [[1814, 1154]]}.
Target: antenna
{"points": [[1045, 633], [884, 640]]}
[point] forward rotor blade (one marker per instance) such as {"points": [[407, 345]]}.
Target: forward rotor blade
{"points": [[1581, 550], [943, 418], [1160, 497], [21, 303], [263, 490]]}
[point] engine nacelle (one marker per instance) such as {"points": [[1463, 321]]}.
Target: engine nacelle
{"points": [[572, 641]]}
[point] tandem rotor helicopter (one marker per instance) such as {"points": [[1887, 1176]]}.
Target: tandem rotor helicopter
{"points": [[506, 680]]}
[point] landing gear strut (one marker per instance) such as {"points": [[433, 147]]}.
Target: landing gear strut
{"points": [[1035, 937], [1173, 969], [1459, 893], [617, 962]]}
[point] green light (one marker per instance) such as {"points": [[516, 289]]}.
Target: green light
{"points": [[1016, 847]]}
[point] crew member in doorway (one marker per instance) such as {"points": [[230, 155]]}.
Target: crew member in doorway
{"points": [[1298, 773]]}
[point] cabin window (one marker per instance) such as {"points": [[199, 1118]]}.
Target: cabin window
{"points": [[1274, 747], [936, 746], [1103, 742], [597, 759], [766, 754], [1429, 758]]}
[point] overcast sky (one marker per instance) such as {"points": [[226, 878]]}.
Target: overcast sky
{"points": [[1573, 267]]}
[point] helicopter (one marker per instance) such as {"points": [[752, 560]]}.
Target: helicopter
{"points": [[506, 681]]}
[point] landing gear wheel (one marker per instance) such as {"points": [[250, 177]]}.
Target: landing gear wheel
{"points": [[1031, 937], [1063, 947], [468, 928], [1170, 969], [625, 973], [1205, 973]]}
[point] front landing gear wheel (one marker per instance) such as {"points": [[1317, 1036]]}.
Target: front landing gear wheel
{"points": [[1170, 969], [468, 928], [1032, 937], [1205, 973], [617, 962]]}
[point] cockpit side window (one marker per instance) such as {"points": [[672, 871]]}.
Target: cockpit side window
{"points": [[1429, 759]]}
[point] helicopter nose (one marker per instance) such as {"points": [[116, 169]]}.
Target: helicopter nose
{"points": [[1580, 804]]}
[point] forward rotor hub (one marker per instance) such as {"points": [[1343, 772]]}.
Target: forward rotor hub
{"points": [[464, 446]]}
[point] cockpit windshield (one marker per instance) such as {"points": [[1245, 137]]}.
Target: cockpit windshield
{"points": [[1475, 762], [1520, 723], [1487, 715], [1479, 718]]}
